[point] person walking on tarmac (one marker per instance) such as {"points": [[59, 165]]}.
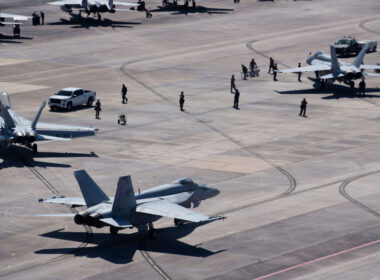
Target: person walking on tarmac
{"points": [[271, 65], [253, 65], [236, 99], [362, 87], [124, 98], [303, 108], [98, 108], [275, 69], [233, 87], [245, 71], [181, 101], [299, 73], [42, 18]]}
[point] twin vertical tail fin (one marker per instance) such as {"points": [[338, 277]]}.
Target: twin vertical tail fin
{"points": [[125, 200], [335, 68], [37, 117], [8, 121], [91, 192], [359, 59]]}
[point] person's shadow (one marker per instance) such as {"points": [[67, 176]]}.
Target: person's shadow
{"points": [[121, 248]]}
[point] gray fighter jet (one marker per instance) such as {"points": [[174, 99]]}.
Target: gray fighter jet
{"points": [[128, 210], [4, 16], [17, 130]]}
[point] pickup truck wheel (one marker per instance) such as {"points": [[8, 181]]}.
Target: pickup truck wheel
{"points": [[69, 107], [52, 108], [90, 101]]}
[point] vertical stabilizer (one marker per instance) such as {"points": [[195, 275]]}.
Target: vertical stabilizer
{"points": [[124, 202], [359, 59], [335, 68], [37, 117], [91, 192], [84, 4], [8, 121]]}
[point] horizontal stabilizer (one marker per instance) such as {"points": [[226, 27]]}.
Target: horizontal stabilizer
{"points": [[118, 3], [117, 222], [311, 68], [166, 209], [48, 137], [371, 74], [72, 201], [331, 76], [56, 215], [10, 23], [65, 2], [369, 67]]}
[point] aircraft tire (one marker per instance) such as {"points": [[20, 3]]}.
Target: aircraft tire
{"points": [[113, 231], [34, 148]]}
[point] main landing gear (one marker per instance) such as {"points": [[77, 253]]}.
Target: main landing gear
{"points": [[114, 231], [153, 233]]}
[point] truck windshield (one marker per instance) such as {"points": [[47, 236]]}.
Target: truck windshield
{"points": [[64, 93], [344, 42]]}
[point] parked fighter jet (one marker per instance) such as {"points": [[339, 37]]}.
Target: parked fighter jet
{"points": [[13, 17], [330, 69], [92, 6], [17, 130], [128, 210]]}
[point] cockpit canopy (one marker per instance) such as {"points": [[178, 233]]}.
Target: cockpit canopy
{"points": [[5, 100], [185, 181]]}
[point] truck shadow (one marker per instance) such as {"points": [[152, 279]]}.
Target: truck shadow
{"points": [[122, 248], [77, 108]]}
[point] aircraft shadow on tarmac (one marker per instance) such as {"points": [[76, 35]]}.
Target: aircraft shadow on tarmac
{"points": [[18, 156], [12, 40], [87, 22], [199, 9], [121, 249], [337, 91]]}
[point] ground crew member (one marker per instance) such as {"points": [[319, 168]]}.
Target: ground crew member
{"points": [[194, 5], [42, 18], [275, 72], [186, 5], [181, 100], [236, 99], [148, 13], [16, 30], [124, 94], [245, 71], [362, 87], [271, 65], [253, 65], [303, 107], [233, 87], [299, 73], [98, 108]]}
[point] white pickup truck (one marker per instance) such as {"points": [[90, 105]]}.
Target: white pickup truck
{"points": [[68, 98]]}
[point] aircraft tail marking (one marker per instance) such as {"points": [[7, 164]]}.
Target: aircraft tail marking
{"points": [[125, 200]]}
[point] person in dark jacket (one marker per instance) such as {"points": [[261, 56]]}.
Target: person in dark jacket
{"points": [[303, 108], [275, 72], [98, 108], [362, 86], [299, 73], [236, 99], [271, 65], [181, 100], [245, 71], [124, 98], [233, 86]]}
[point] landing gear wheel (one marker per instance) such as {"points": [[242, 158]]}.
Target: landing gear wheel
{"points": [[178, 222], [34, 148], [69, 107], [113, 231], [352, 84], [153, 234], [99, 17]]}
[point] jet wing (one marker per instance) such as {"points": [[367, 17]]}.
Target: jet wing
{"points": [[369, 67], [166, 209], [371, 74], [71, 201], [66, 2], [311, 68], [56, 215], [14, 17], [332, 76], [9, 23], [117, 222], [63, 131], [117, 3]]}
